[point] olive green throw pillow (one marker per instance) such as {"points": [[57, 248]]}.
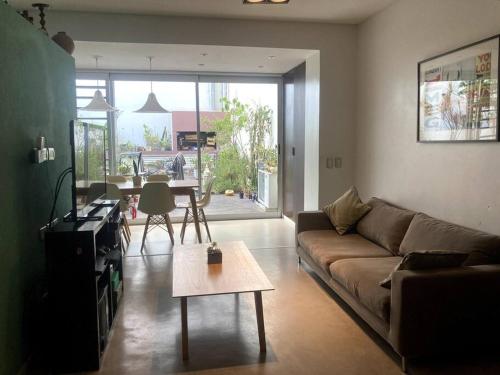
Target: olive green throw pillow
{"points": [[346, 211]]}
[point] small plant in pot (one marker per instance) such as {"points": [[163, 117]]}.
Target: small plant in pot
{"points": [[137, 180]]}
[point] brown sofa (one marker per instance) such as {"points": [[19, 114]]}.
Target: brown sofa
{"points": [[425, 312]]}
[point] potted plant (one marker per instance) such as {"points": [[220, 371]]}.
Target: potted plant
{"points": [[137, 180]]}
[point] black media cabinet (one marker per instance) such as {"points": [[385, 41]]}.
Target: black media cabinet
{"points": [[85, 282]]}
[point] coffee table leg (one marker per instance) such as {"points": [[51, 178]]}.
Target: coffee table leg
{"points": [[185, 347], [260, 321]]}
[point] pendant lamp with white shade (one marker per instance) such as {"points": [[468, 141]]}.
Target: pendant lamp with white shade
{"points": [[151, 105], [98, 103]]}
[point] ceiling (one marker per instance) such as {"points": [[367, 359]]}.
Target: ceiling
{"points": [[334, 11], [180, 57]]}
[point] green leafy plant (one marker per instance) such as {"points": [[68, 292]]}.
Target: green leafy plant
{"points": [[241, 138], [124, 168], [155, 142]]}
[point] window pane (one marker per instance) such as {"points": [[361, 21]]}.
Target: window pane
{"points": [[90, 82], [246, 157], [154, 134], [89, 92]]}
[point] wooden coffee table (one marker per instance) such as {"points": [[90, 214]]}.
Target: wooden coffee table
{"points": [[238, 273]]}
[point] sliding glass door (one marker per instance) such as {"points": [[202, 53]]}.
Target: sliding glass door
{"points": [[244, 117], [222, 128]]}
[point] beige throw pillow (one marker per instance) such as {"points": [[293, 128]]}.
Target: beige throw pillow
{"points": [[346, 211]]}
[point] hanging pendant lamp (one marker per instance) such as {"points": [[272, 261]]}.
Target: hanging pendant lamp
{"points": [[98, 103], [152, 105]]}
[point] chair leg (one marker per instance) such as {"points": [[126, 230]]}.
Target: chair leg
{"points": [[204, 218], [124, 234], [184, 223], [145, 232], [170, 227], [127, 227]]}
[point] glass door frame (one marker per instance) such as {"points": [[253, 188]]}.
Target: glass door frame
{"points": [[121, 75]]}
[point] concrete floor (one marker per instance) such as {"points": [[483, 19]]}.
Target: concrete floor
{"points": [[308, 330]]}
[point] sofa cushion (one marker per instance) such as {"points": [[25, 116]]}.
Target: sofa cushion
{"points": [[361, 277], [346, 211], [427, 233], [385, 224], [327, 246], [426, 260]]}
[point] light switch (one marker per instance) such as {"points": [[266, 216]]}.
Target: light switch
{"points": [[329, 162], [338, 162]]}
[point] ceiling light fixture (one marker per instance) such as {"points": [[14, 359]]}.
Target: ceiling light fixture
{"points": [[151, 105], [265, 1], [98, 103]]}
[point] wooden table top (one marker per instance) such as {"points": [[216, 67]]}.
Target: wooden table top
{"points": [[128, 187], [238, 273]]}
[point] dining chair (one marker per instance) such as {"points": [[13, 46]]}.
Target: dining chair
{"points": [[111, 191], [201, 204], [157, 202], [158, 178], [128, 198]]}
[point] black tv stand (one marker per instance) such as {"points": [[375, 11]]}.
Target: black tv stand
{"points": [[85, 276]]}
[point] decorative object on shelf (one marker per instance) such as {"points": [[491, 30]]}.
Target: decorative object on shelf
{"points": [[41, 8], [98, 103], [457, 94], [64, 41], [151, 105], [214, 254], [136, 179]]}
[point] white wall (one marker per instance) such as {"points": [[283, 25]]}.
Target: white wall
{"points": [[311, 134], [456, 182], [336, 43]]}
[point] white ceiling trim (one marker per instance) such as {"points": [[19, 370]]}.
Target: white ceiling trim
{"points": [[332, 11]]}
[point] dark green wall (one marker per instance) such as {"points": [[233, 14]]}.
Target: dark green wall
{"points": [[37, 97]]}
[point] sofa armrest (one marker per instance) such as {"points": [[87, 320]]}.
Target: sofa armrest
{"points": [[312, 220], [436, 311]]}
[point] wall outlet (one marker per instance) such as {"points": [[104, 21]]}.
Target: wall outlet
{"points": [[43, 154], [51, 153], [40, 155]]}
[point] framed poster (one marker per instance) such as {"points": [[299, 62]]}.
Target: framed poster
{"points": [[458, 94]]}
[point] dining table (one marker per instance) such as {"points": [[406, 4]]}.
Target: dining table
{"points": [[177, 187]]}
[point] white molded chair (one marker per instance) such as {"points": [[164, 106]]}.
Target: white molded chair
{"points": [[157, 201], [97, 189], [158, 178], [201, 204]]}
